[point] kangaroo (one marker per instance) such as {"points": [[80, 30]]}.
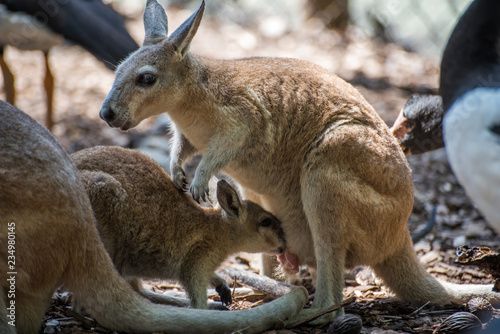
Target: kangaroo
{"points": [[152, 230], [48, 238], [300, 141]]}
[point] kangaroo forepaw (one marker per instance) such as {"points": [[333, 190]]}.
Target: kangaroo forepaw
{"points": [[199, 191], [225, 294], [179, 178]]}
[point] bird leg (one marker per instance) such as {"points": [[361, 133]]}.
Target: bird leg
{"points": [[48, 83], [8, 79]]}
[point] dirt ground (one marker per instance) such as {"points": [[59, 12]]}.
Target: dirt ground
{"points": [[384, 73]]}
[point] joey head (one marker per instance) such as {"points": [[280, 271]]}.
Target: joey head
{"points": [[153, 230]]}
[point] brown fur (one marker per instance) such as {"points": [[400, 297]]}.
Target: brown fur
{"points": [[56, 242], [152, 230], [301, 142]]}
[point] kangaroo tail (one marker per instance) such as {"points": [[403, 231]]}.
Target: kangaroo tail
{"points": [[403, 273]]}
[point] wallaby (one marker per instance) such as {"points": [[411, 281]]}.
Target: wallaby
{"points": [[300, 141], [153, 230], [48, 238]]}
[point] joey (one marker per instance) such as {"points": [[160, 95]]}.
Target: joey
{"points": [[153, 230]]}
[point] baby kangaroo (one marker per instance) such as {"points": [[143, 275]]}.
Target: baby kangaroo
{"points": [[301, 142], [48, 238], [153, 230]]}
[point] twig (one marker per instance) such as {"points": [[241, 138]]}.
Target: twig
{"points": [[265, 284], [418, 309], [234, 286], [323, 312]]}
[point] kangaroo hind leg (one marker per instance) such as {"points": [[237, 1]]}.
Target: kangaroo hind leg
{"points": [[406, 277], [327, 228]]}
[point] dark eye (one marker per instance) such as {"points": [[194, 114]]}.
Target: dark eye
{"points": [[146, 79], [266, 222]]}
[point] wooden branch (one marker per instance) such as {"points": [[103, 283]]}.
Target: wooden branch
{"points": [[265, 284]]}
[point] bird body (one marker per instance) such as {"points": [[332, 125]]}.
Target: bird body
{"points": [[473, 148], [470, 87], [467, 110]]}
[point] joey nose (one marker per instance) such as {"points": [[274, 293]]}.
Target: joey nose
{"points": [[107, 114]]}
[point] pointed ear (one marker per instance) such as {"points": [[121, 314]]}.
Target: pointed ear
{"points": [[212, 192], [181, 38], [155, 23], [228, 199]]}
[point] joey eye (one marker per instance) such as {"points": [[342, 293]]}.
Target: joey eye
{"points": [[266, 222], [146, 79]]}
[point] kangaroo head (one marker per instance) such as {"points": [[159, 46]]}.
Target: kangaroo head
{"points": [[262, 231], [151, 80]]}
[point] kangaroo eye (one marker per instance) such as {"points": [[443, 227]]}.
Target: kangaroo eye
{"points": [[146, 79], [266, 222]]}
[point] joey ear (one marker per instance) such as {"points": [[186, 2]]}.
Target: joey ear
{"points": [[181, 38], [228, 198], [155, 23], [212, 191]]}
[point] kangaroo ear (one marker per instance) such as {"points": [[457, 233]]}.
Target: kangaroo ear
{"points": [[155, 23], [212, 192], [228, 199], [181, 38]]}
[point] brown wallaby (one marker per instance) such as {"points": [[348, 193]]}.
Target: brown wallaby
{"points": [[153, 230], [300, 141], [48, 238]]}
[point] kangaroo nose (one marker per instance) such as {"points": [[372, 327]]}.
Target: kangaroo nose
{"points": [[107, 114]]}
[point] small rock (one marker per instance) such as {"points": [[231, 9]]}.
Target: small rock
{"points": [[50, 326], [346, 324], [481, 308], [459, 323]]}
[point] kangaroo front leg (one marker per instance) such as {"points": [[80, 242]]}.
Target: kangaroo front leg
{"points": [[196, 288], [181, 150], [220, 152]]}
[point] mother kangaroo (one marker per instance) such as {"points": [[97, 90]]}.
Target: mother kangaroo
{"points": [[300, 141]]}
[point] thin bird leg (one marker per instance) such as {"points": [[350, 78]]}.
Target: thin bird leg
{"points": [[48, 83], [8, 79]]}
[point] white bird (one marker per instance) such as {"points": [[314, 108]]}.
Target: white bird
{"points": [[470, 111], [470, 87]]}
